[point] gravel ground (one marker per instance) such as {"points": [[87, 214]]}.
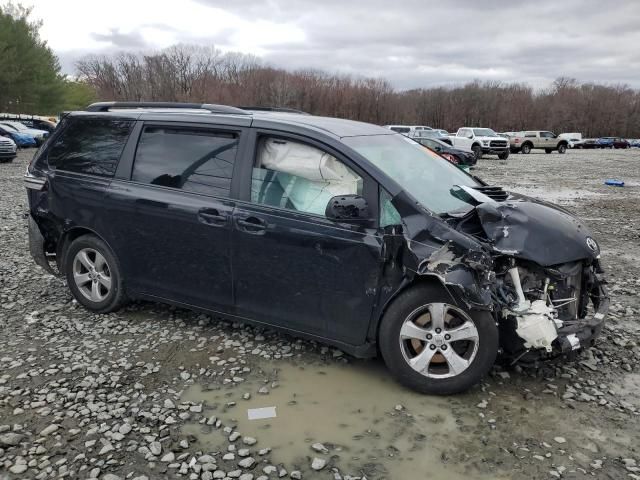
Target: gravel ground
{"points": [[158, 392]]}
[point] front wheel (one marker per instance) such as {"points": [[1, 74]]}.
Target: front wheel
{"points": [[435, 347], [93, 274], [562, 149], [548, 150], [477, 151], [503, 155]]}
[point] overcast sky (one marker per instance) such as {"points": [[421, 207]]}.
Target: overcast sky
{"points": [[412, 43]]}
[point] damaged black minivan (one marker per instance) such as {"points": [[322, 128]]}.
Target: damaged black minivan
{"points": [[334, 230]]}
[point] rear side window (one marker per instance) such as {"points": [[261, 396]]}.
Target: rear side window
{"points": [[191, 159], [90, 145]]}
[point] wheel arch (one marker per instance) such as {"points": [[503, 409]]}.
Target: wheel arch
{"points": [[419, 280], [68, 236]]}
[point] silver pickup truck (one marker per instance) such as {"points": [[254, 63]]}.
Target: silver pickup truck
{"points": [[539, 139]]}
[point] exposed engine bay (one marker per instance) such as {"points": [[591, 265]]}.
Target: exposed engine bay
{"points": [[534, 265], [543, 309]]}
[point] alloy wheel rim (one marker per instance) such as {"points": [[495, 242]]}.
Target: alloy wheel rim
{"points": [[92, 275], [439, 340]]}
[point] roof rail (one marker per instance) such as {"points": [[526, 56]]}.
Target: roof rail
{"points": [[107, 106], [274, 109]]}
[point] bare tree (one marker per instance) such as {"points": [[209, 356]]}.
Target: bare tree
{"points": [[205, 74]]}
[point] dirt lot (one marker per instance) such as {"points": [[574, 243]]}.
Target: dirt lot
{"points": [[157, 392]]}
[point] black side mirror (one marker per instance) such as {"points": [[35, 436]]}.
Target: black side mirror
{"points": [[348, 209], [438, 148]]}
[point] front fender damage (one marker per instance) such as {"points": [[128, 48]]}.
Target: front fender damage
{"points": [[427, 247], [526, 263]]}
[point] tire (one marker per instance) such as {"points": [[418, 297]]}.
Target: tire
{"points": [[94, 275], [526, 148], [562, 149], [477, 151], [503, 156], [548, 150], [474, 358]]}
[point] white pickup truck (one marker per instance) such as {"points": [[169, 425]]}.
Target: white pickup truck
{"points": [[481, 141]]}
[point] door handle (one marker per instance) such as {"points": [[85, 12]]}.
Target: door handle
{"points": [[252, 225], [212, 216]]}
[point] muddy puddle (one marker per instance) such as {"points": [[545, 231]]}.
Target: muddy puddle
{"points": [[369, 424]]}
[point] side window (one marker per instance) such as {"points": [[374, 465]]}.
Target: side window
{"points": [[388, 213], [90, 145], [299, 177], [191, 159], [530, 134]]}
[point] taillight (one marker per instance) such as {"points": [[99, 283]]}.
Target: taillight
{"points": [[451, 158], [517, 140]]}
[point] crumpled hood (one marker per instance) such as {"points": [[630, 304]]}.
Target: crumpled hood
{"points": [[537, 231]]}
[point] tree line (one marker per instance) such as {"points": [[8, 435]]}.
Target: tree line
{"points": [[204, 74], [30, 78]]}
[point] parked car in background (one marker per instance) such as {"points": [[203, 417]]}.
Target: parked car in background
{"points": [[537, 139], [30, 121], [22, 140], [635, 142], [8, 149], [573, 139], [454, 155], [481, 141], [442, 132], [38, 135], [612, 142], [435, 134], [326, 228], [410, 130], [589, 144]]}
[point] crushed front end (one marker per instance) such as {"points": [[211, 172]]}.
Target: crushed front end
{"points": [[545, 311], [549, 292]]}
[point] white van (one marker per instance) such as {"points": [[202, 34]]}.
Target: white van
{"points": [[409, 130], [573, 139]]}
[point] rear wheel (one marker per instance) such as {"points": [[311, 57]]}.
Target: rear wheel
{"points": [[432, 346], [562, 148], [477, 151], [526, 148], [93, 274]]}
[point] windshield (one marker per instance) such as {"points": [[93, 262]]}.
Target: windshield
{"points": [[10, 127], [16, 126], [484, 132], [423, 174]]}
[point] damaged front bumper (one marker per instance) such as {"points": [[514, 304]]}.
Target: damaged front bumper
{"points": [[583, 333]]}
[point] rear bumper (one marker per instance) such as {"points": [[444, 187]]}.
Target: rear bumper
{"points": [[37, 248]]}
